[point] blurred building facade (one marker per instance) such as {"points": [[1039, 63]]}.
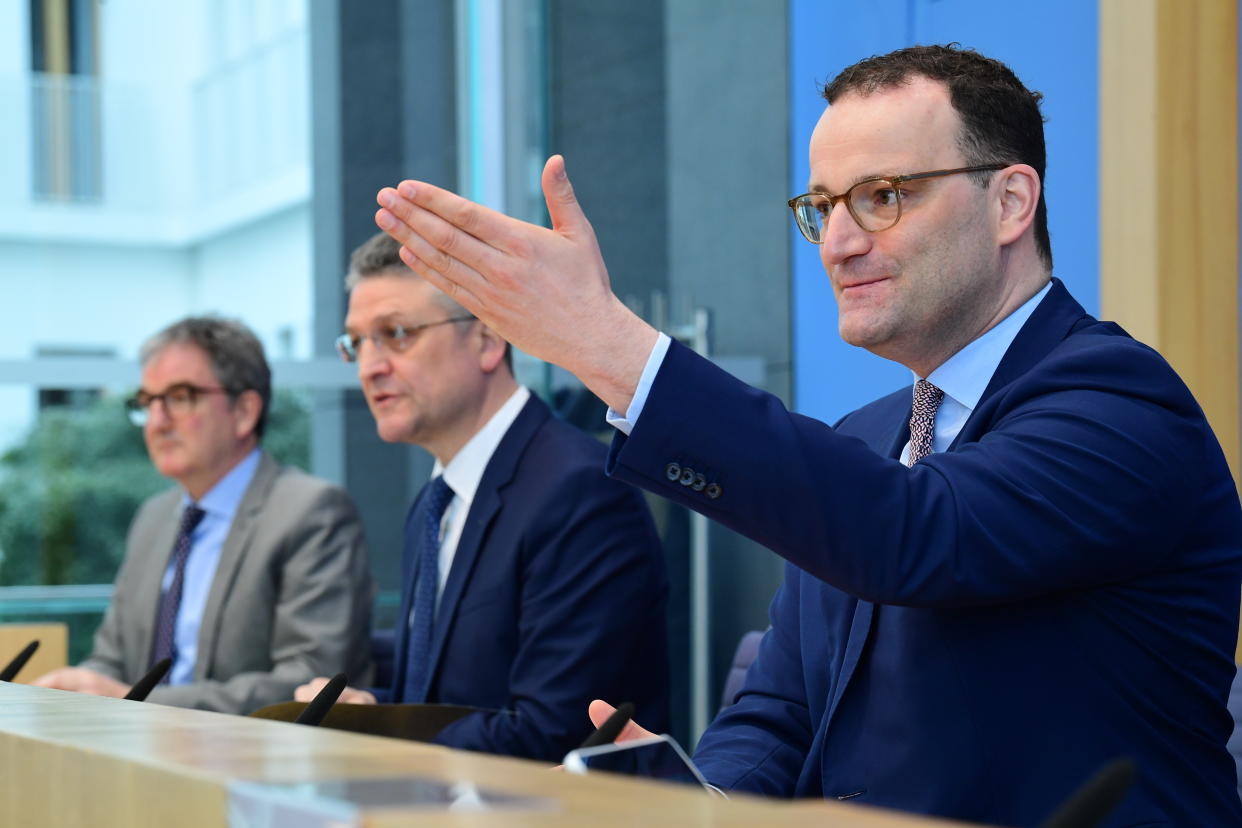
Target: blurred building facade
{"points": [[155, 163]]}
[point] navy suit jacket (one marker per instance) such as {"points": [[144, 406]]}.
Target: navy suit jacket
{"points": [[556, 596], [976, 635]]}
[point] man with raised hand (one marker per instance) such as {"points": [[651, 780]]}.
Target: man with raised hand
{"points": [[1000, 578]]}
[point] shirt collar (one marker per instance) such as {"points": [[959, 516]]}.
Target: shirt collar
{"points": [[465, 470], [223, 498], [965, 375]]}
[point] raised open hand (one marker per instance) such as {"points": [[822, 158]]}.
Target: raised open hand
{"points": [[544, 290]]}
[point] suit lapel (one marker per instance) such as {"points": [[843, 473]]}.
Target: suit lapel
{"points": [[860, 629], [409, 578], [482, 511], [231, 556], [884, 425], [889, 438], [488, 499], [898, 436], [158, 551], [1052, 320]]}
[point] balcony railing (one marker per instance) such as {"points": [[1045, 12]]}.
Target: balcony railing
{"points": [[154, 161], [66, 138]]}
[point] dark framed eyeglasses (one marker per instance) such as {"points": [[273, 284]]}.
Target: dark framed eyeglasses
{"points": [[178, 400], [875, 203], [393, 338]]}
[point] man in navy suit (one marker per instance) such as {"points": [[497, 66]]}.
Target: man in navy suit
{"points": [[532, 583], [999, 580]]}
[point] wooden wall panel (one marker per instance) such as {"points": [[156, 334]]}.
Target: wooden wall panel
{"points": [[1169, 191]]}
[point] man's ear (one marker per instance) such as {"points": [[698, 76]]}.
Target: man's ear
{"points": [[1019, 190], [491, 349], [246, 410]]}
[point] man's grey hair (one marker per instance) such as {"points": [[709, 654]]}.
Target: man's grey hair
{"points": [[235, 354], [380, 256]]}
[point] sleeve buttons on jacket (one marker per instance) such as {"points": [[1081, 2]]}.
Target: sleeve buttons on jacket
{"points": [[692, 480]]}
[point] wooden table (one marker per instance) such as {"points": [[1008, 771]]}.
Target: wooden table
{"points": [[69, 760], [53, 641]]}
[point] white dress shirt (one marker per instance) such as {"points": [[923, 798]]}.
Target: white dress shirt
{"points": [[465, 471]]}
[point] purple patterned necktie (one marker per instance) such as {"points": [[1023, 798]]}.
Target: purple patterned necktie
{"points": [[165, 645], [927, 399], [422, 626]]}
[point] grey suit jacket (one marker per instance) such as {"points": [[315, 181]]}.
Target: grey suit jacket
{"points": [[291, 597]]}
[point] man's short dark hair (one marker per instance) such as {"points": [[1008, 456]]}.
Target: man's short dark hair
{"points": [[1001, 122], [380, 255], [235, 354]]}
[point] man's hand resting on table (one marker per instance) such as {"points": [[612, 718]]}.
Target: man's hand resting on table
{"points": [[599, 711], [349, 695], [82, 680]]}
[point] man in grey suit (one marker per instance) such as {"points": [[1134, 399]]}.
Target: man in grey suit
{"points": [[251, 576]]}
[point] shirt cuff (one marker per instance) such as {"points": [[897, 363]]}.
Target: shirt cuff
{"points": [[626, 424]]}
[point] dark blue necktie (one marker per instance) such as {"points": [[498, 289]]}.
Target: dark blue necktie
{"points": [[165, 645], [422, 626]]}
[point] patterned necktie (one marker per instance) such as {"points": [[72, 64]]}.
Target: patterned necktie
{"points": [[427, 524], [164, 645], [927, 399]]}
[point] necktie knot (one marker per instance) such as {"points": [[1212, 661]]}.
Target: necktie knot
{"points": [[191, 518], [439, 494], [927, 399]]}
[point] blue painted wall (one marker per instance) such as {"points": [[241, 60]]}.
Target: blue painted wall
{"points": [[1052, 46]]}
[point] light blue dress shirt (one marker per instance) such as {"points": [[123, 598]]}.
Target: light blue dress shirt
{"points": [[963, 377], [220, 504]]}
